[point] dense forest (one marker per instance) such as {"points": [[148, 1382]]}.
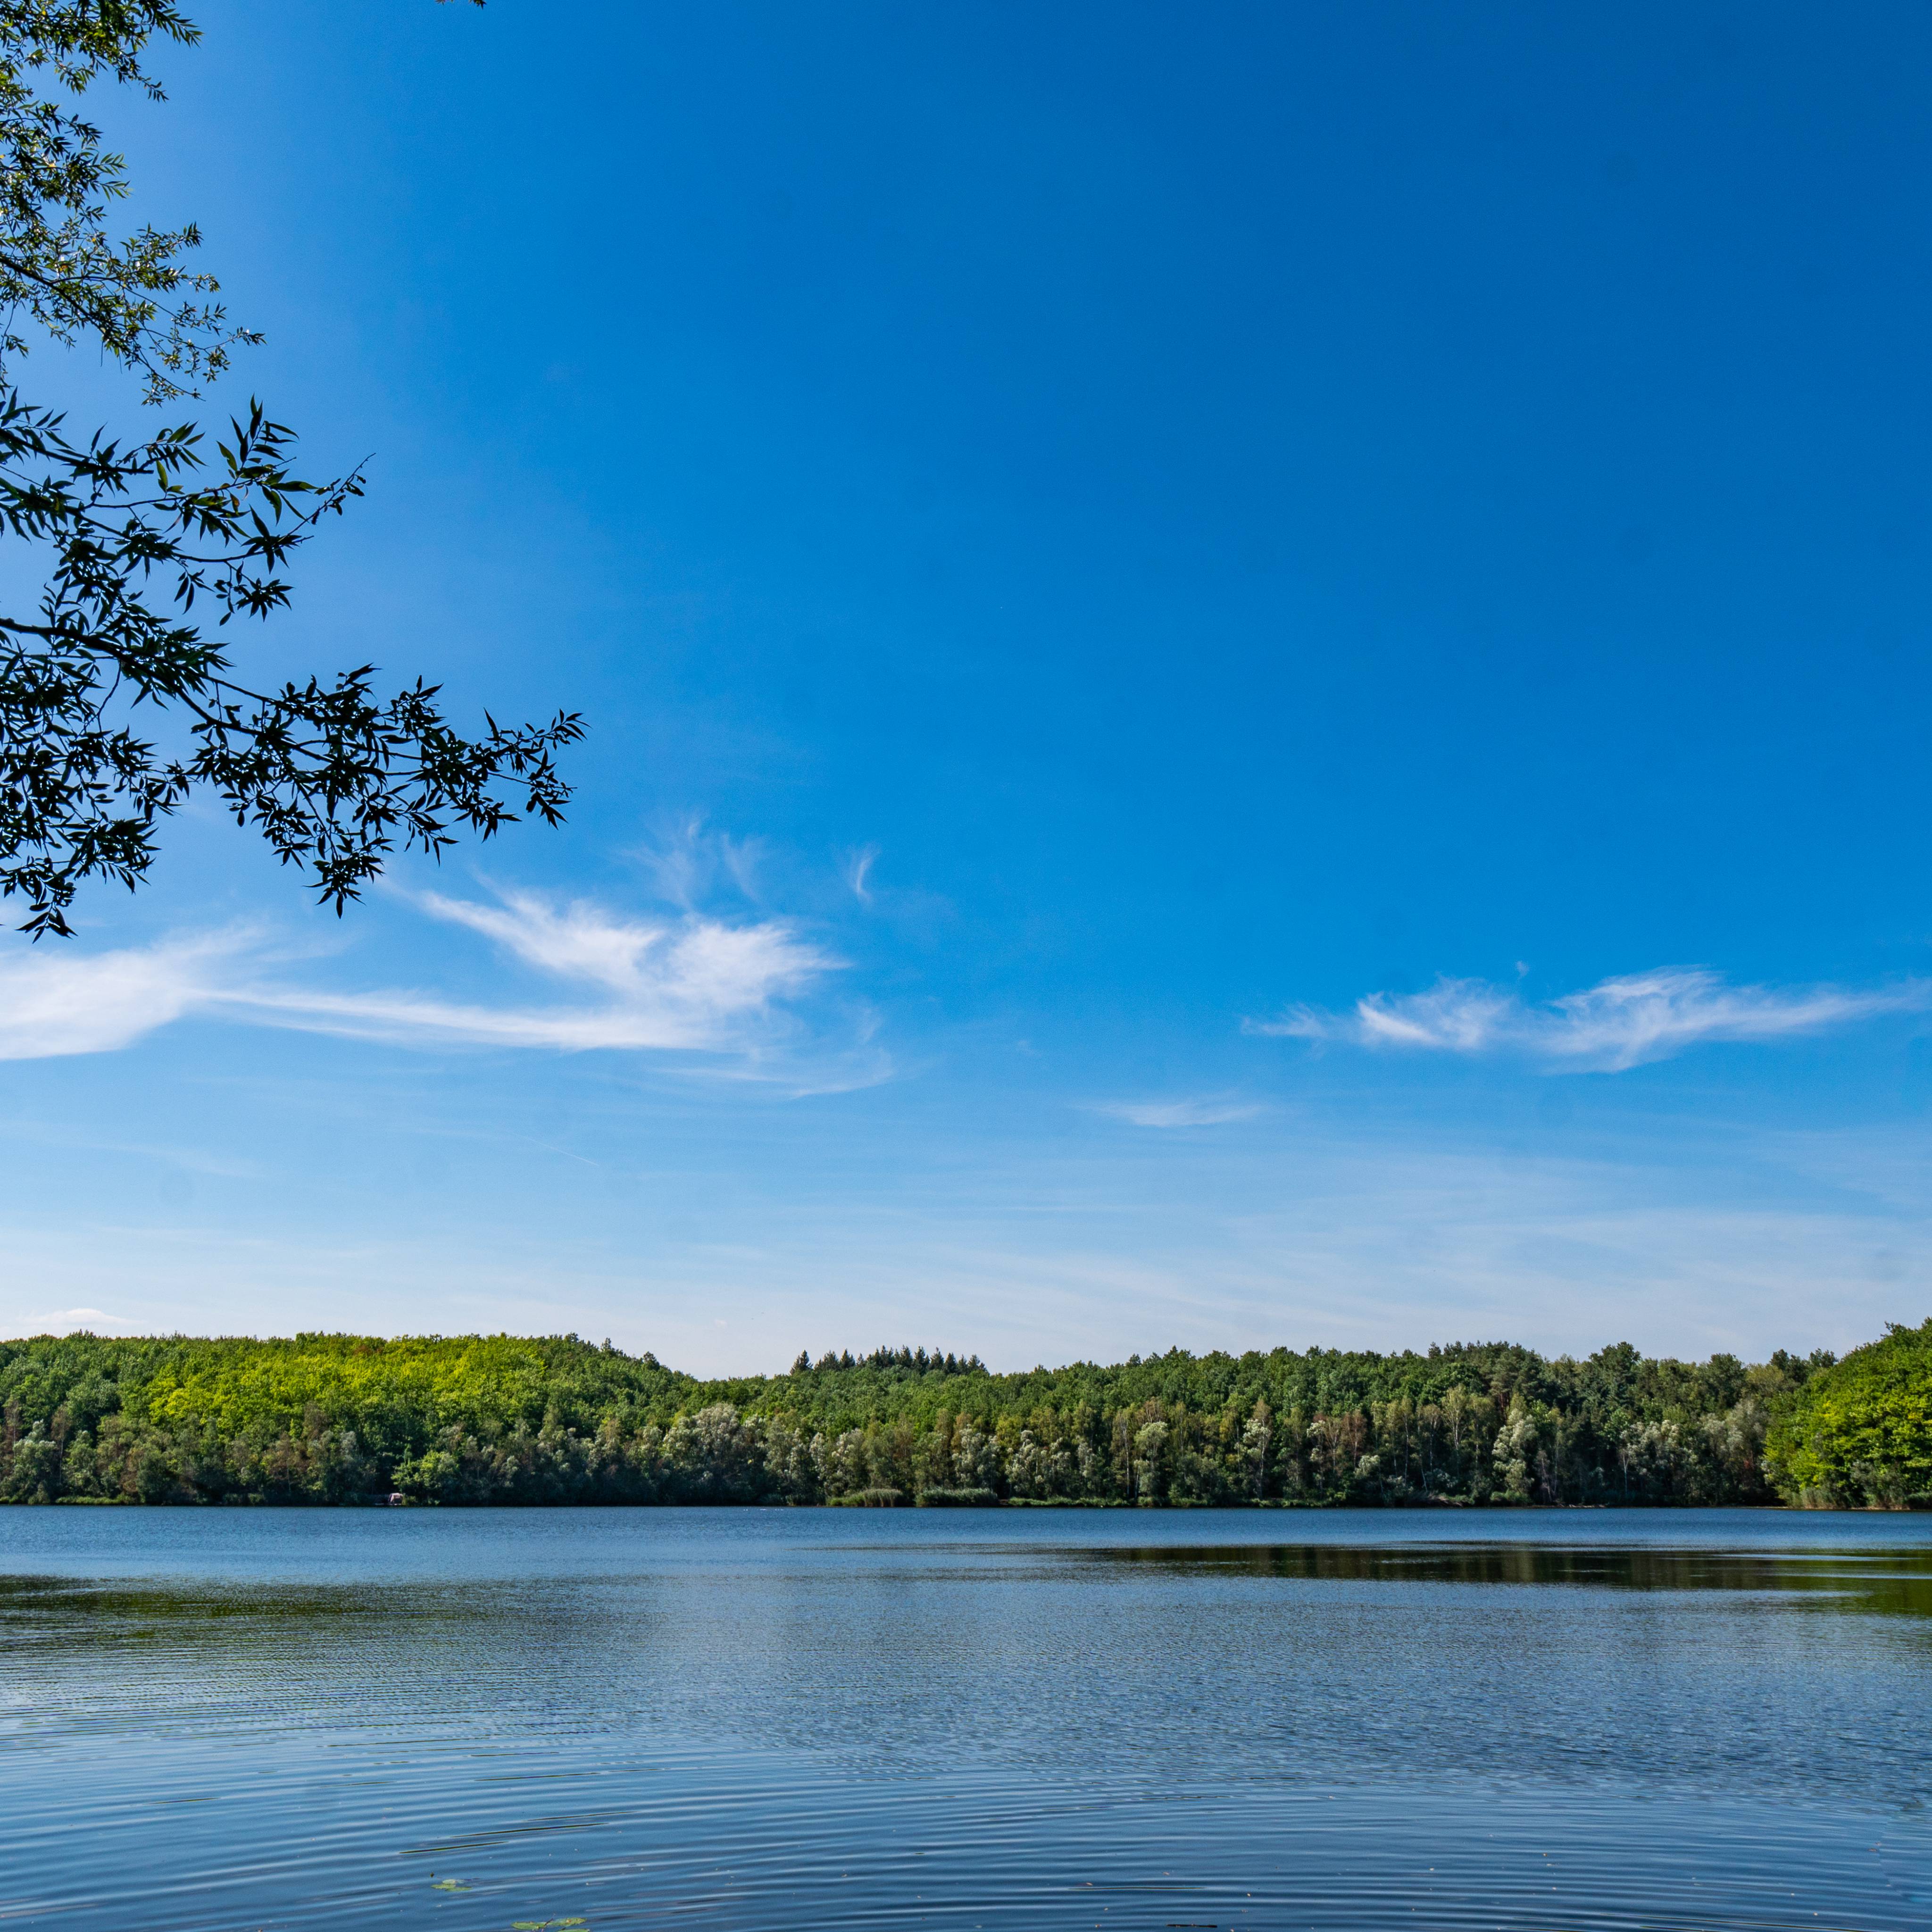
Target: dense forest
{"points": [[499, 1419]]}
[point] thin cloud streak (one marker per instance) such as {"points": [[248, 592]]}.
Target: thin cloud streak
{"points": [[1619, 1024], [1351, 1244], [54, 1002], [689, 862], [687, 985], [857, 865], [1208, 1112]]}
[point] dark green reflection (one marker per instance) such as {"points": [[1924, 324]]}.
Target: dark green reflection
{"points": [[1897, 1583]]}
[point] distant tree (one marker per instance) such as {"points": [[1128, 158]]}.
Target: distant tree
{"points": [[1257, 1437], [140, 539], [497, 1419]]}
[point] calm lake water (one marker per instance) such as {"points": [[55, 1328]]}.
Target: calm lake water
{"points": [[464, 1720]]}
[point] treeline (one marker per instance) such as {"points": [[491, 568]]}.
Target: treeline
{"points": [[500, 1419]]}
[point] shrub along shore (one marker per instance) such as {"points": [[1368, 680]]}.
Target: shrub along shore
{"points": [[504, 1419]]}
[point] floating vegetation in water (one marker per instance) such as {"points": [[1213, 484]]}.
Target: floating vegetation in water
{"points": [[450, 1885], [545, 1924]]}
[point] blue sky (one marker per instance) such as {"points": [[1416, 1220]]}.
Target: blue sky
{"points": [[1257, 675]]}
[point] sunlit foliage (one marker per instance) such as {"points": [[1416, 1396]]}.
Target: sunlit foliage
{"points": [[499, 1419], [1860, 1434]]}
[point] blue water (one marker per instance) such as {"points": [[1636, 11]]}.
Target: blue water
{"points": [[470, 1720]]}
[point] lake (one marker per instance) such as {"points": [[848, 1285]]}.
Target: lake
{"points": [[465, 1720]]}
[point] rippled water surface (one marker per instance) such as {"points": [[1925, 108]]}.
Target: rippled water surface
{"points": [[468, 1720]]}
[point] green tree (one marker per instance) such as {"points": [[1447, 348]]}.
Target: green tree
{"points": [[1859, 1434], [456, 1419], [151, 548]]}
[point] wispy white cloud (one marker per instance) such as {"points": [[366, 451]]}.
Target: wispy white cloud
{"points": [[1620, 1023], [65, 1321], [55, 1001], [687, 984], [857, 865], [1680, 1246], [687, 863], [1209, 1112]]}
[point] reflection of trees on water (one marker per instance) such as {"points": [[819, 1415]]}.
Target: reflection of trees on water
{"points": [[1898, 1582]]}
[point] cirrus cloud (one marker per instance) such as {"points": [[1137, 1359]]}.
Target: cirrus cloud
{"points": [[1210, 1111], [55, 1001], [1618, 1024], [687, 984]]}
